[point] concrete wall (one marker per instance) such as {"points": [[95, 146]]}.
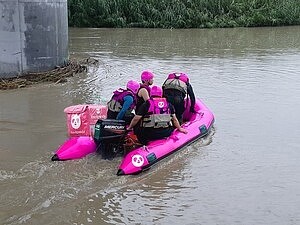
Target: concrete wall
{"points": [[33, 36]]}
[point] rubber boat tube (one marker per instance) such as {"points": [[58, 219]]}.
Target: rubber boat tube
{"points": [[75, 148], [140, 159]]}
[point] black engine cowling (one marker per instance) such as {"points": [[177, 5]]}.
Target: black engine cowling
{"points": [[109, 136]]}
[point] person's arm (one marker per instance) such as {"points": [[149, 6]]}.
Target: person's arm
{"points": [[139, 114], [134, 121], [177, 124], [192, 96], [144, 94], [128, 100]]}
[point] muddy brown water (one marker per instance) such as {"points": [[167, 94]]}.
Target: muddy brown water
{"points": [[246, 171]]}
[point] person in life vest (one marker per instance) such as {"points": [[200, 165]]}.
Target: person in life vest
{"points": [[175, 88], [123, 102], [155, 119], [144, 91]]}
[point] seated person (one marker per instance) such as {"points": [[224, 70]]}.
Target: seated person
{"points": [[143, 93], [123, 102], [155, 118], [175, 88]]}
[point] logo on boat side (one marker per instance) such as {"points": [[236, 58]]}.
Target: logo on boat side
{"points": [[75, 121], [137, 160]]}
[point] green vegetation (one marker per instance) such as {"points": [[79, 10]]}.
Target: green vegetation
{"points": [[183, 13]]}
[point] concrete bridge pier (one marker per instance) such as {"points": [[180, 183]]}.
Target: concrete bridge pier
{"points": [[33, 36]]}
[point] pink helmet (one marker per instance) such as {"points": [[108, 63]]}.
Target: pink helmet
{"points": [[184, 77], [181, 76], [147, 75], [156, 91], [133, 86]]}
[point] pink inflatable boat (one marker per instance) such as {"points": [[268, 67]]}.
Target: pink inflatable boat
{"points": [[140, 159]]}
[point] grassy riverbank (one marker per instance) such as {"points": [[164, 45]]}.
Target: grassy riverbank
{"points": [[183, 13]]}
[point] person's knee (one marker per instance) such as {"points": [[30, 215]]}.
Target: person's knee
{"points": [[142, 139], [128, 118]]}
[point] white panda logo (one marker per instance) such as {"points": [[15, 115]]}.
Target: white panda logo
{"points": [[137, 160], [75, 121], [161, 104]]}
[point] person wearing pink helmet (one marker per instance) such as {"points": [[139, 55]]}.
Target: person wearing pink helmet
{"points": [[175, 88], [155, 118], [123, 102], [144, 91]]}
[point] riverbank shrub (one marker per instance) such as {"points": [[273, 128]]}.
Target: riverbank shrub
{"points": [[183, 13]]}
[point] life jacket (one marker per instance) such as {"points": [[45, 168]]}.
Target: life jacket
{"points": [[176, 81], [158, 115], [115, 104], [140, 100]]}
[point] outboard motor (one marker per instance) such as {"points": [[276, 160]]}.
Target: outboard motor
{"points": [[109, 137]]}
